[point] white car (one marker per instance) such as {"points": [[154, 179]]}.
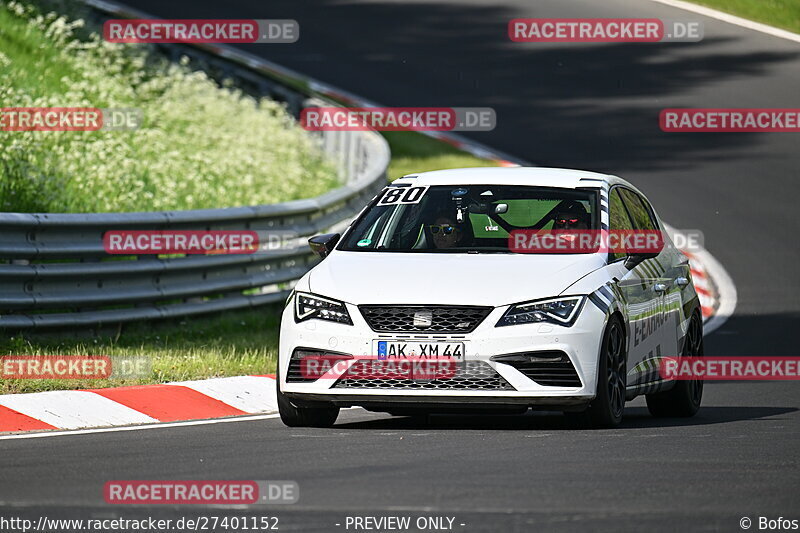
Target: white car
{"points": [[428, 270]]}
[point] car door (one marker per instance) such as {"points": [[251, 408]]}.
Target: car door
{"points": [[641, 290], [668, 273], [679, 297]]}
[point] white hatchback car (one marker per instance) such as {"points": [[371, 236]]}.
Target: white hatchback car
{"points": [[427, 270]]}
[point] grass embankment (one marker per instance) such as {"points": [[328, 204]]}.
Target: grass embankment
{"points": [[230, 344], [196, 136], [414, 152], [779, 13], [233, 344]]}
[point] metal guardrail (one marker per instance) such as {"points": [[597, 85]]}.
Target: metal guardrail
{"points": [[55, 272]]}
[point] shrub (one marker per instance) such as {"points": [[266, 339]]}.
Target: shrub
{"points": [[201, 145]]}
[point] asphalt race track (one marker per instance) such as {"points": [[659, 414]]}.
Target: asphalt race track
{"points": [[588, 106]]}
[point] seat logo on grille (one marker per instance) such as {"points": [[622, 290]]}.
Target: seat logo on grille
{"points": [[423, 318]]}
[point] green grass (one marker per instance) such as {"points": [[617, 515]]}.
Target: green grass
{"points": [[415, 152], [779, 13], [26, 51], [231, 344]]}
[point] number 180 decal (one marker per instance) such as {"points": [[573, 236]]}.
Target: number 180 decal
{"points": [[403, 195]]}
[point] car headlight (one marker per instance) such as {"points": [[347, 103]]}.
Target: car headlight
{"points": [[561, 311], [308, 306]]}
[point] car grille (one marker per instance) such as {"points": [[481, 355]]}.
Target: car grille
{"points": [[471, 375], [552, 368], [444, 319]]}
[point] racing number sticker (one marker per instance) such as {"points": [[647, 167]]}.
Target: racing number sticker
{"points": [[398, 195]]}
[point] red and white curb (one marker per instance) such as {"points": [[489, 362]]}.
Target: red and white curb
{"points": [[703, 285], [145, 404], [714, 286]]}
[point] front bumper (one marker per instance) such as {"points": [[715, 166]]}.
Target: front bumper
{"points": [[580, 343]]}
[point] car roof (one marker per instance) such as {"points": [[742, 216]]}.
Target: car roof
{"points": [[530, 176]]}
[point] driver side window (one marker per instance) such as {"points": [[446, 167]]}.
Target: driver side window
{"points": [[618, 219]]}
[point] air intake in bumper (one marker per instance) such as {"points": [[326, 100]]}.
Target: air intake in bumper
{"points": [[471, 375], [551, 368], [303, 372]]}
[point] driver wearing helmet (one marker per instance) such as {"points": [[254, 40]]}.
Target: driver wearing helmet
{"points": [[572, 216]]}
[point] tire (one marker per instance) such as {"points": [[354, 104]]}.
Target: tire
{"points": [[294, 416], [682, 400], [605, 411]]}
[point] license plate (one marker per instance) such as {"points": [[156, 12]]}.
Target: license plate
{"points": [[387, 350]]}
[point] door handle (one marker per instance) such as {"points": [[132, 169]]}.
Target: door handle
{"points": [[681, 282], [660, 287]]}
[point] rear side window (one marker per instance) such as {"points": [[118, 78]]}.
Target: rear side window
{"points": [[617, 219], [638, 209]]}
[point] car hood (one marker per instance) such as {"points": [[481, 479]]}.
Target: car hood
{"points": [[448, 279]]}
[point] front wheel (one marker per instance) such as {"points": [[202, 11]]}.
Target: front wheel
{"points": [[682, 400], [295, 416], [605, 411]]}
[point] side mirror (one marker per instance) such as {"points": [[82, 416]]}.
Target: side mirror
{"points": [[323, 244], [483, 209], [634, 259]]}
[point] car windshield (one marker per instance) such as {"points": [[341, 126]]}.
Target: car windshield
{"points": [[473, 218]]}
